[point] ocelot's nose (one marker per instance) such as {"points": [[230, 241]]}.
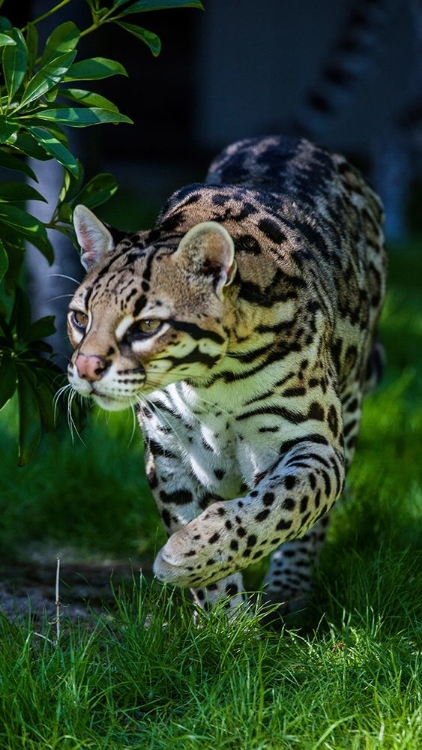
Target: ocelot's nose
{"points": [[90, 367]]}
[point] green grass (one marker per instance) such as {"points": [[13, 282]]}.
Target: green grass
{"points": [[350, 679], [91, 494]]}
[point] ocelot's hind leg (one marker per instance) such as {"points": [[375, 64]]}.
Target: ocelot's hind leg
{"points": [[288, 581]]}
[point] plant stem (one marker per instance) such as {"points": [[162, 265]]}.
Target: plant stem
{"points": [[101, 20], [93, 27], [50, 12]]}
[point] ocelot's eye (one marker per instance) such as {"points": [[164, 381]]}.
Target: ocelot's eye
{"points": [[80, 319], [148, 326]]}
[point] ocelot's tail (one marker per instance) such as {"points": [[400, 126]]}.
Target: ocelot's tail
{"points": [[354, 51]]}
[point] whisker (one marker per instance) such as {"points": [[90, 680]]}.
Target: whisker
{"points": [[59, 296], [63, 276], [61, 392], [71, 421], [134, 425]]}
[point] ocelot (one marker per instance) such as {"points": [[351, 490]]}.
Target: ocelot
{"points": [[242, 330]]}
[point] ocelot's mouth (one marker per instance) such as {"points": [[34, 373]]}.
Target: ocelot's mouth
{"points": [[112, 403]]}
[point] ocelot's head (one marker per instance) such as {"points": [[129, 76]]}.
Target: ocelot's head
{"points": [[151, 311]]}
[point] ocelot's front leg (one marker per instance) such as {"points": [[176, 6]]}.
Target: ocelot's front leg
{"points": [[287, 501], [180, 499]]}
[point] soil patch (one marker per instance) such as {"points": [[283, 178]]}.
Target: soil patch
{"points": [[28, 588]]}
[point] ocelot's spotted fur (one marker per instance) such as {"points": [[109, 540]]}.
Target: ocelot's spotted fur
{"points": [[242, 329]]}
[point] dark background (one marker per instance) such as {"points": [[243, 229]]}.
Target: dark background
{"points": [[239, 68]]}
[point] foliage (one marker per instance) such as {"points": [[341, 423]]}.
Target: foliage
{"points": [[39, 98]]}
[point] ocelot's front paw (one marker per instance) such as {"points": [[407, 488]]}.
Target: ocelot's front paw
{"points": [[202, 552]]}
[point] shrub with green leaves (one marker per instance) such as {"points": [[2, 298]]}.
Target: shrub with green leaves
{"points": [[40, 95]]}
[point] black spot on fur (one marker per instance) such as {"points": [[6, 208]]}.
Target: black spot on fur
{"points": [[304, 503], [316, 411], [333, 420], [165, 515], [181, 497], [268, 498], [283, 525], [289, 482], [289, 503], [262, 515]]}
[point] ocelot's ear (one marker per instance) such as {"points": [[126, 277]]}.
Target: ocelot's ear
{"points": [[209, 247], [94, 238]]}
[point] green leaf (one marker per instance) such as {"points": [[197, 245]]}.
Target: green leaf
{"points": [[10, 192], [152, 40], [32, 46], [7, 161], [45, 393], [63, 39], [71, 184], [56, 149], [44, 245], [15, 247], [26, 226], [40, 329], [26, 143], [98, 190], [21, 220], [52, 94], [143, 6], [29, 416], [8, 128], [68, 232], [20, 318], [88, 98], [15, 60], [36, 347], [54, 128], [7, 378], [64, 213], [5, 24], [5, 39], [5, 328], [47, 77], [4, 260], [118, 3], [94, 69], [79, 117]]}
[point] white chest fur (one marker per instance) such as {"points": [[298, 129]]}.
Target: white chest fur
{"points": [[222, 453]]}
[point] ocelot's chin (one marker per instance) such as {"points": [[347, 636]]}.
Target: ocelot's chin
{"points": [[113, 404]]}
